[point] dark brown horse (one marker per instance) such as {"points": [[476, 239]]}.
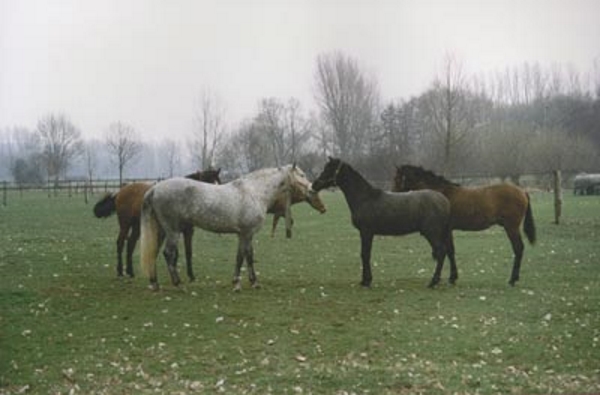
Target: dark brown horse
{"points": [[478, 208], [375, 212], [127, 203]]}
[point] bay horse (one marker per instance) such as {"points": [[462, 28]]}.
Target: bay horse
{"points": [[376, 212], [297, 195], [127, 203], [478, 208], [238, 207]]}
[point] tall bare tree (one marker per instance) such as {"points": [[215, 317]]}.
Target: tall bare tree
{"points": [[60, 143], [285, 127], [172, 155], [348, 101], [123, 143], [209, 129], [448, 110], [91, 162]]}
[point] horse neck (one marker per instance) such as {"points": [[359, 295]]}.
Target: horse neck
{"points": [[267, 192], [355, 188]]}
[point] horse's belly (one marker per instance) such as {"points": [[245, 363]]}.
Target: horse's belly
{"points": [[471, 223], [385, 226]]}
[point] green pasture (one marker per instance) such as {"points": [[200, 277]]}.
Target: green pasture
{"points": [[69, 325]]}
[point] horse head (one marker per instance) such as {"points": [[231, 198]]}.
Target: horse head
{"points": [[210, 175], [410, 178], [329, 176]]}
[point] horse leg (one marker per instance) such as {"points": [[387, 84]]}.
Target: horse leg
{"points": [[450, 253], [237, 282], [517, 245], [170, 252], [188, 232], [439, 254], [120, 244], [249, 250], [275, 220], [288, 232], [131, 242], [366, 243]]}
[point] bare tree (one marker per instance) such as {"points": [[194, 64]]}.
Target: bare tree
{"points": [[91, 162], [269, 121], [20, 155], [285, 127], [60, 143], [123, 142], [348, 101], [298, 128], [172, 155], [447, 105], [209, 130]]}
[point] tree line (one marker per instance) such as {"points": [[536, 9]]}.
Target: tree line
{"points": [[522, 120]]}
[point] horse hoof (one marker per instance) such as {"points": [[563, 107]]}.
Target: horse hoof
{"points": [[256, 286], [365, 284], [153, 287]]}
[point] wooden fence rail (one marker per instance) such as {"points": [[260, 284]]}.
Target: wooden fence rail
{"points": [[69, 188]]}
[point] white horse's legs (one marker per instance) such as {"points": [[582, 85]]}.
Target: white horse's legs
{"points": [[245, 252], [170, 252]]}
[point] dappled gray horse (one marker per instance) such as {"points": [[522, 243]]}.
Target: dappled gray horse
{"points": [[238, 207]]}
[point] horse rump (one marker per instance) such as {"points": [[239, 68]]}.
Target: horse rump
{"points": [[105, 206]]}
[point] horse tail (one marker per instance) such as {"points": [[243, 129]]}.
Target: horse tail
{"points": [[105, 206], [529, 225], [149, 238]]}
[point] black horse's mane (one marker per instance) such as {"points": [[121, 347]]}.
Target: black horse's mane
{"points": [[428, 175], [373, 192]]}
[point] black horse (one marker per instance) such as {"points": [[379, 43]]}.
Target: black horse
{"points": [[375, 212]]}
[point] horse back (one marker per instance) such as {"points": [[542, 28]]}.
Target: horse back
{"points": [[399, 213], [481, 207], [218, 208]]}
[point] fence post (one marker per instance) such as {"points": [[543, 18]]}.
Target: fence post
{"points": [[85, 192], [557, 196], [4, 192]]}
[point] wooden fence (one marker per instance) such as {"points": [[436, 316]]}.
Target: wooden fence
{"points": [[72, 188]]}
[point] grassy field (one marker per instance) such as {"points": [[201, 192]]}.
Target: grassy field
{"points": [[68, 325]]}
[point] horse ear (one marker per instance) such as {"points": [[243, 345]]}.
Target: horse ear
{"points": [[294, 166]]}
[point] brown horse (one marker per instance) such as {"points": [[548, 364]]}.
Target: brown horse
{"points": [[297, 196], [127, 202], [478, 208]]}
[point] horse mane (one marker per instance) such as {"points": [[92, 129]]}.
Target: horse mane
{"points": [[373, 192], [428, 175]]}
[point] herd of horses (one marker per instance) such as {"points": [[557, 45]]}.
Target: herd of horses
{"points": [[420, 201]]}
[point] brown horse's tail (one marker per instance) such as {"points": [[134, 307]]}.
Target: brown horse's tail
{"points": [[149, 242], [105, 206], [529, 225]]}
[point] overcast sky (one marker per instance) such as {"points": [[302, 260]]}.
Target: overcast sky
{"points": [[146, 62]]}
